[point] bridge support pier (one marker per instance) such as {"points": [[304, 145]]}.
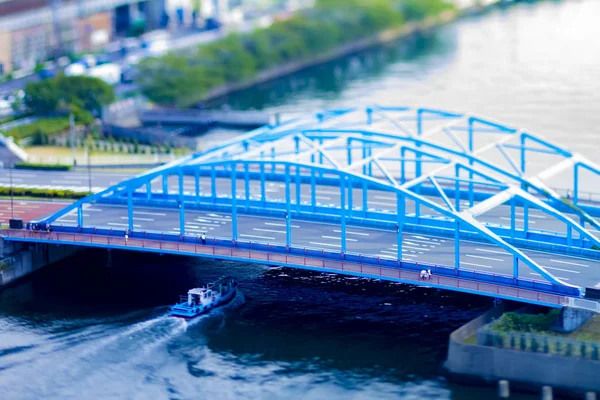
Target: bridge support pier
{"points": [[572, 318], [20, 259]]}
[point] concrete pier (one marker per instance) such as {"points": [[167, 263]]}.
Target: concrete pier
{"points": [[18, 260], [571, 376], [572, 318]]}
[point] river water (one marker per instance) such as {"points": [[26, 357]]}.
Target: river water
{"points": [[95, 326]]}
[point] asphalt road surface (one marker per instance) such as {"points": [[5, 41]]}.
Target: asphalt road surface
{"points": [[415, 247], [275, 191]]}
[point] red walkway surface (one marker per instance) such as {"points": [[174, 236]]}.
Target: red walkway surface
{"points": [[26, 210]]}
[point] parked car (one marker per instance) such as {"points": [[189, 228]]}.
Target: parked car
{"points": [[109, 73]]}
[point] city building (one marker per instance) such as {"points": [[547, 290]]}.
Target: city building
{"points": [[32, 31]]}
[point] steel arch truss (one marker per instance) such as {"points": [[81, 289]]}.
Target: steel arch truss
{"points": [[461, 172]]}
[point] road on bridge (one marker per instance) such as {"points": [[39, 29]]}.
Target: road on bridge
{"points": [[367, 241]]}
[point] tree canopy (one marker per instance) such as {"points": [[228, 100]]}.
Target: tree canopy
{"points": [[77, 93], [182, 80]]}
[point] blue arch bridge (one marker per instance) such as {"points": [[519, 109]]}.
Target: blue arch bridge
{"points": [[379, 192]]}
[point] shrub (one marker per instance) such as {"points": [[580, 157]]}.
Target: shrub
{"points": [[49, 167], [45, 193], [511, 322]]}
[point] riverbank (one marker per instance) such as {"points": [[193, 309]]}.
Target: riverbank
{"points": [[384, 37], [323, 32], [480, 353]]}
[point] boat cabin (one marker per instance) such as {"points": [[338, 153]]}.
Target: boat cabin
{"points": [[201, 297]]}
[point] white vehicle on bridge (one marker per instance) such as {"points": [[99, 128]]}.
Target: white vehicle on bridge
{"points": [[75, 69]]}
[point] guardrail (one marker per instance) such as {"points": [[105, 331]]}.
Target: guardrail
{"points": [[584, 304], [538, 343], [375, 267]]}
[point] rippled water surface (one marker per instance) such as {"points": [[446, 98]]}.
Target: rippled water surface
{"points": [[95, 326]]}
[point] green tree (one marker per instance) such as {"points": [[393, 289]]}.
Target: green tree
{"points": [[86, 92], [42, 97]]}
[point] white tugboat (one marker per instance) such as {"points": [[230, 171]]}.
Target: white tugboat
{"points": [[202, 300]]}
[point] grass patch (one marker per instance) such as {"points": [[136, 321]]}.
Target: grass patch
{"points": [[526, 323], [41, 129], [471, 339], [532, 333], [589, 332]]}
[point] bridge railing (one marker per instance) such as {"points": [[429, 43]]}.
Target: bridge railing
{"points": [[444, 277], [349, 256], [384, 261]]}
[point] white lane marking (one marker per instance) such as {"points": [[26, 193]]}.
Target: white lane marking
{"points": [[384, 198], [325, 244], [560, 269], [405, 246], [412, 238], [117, 224], [274, 224], [150, 213], [60, 181], [475, 265], [562, 255], [194, 230], [93, 209], [268, 230], [67, 220], [381, 203], [141, 219], [338, 238], [326, 191], [308, 196], [351, 233], [516, 220], [392, 252], [395, 255], [561, 278], [258, 237], [218, 219], [570, 263], [415, 243], [211, 223], [492, 251], [531, 215], [486, 258]]}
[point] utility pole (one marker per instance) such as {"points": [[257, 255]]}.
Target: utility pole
{"points": [[89, 168], [72, 129], [12, 208]]}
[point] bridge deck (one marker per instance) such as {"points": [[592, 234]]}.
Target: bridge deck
{"points": [[417, 247], [467, 285]]}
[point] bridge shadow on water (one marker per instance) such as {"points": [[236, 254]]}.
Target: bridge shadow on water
{"points": [[290, 331]]}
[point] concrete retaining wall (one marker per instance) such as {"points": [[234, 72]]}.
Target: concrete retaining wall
{"points": [[566, 375], [27, 258]]}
